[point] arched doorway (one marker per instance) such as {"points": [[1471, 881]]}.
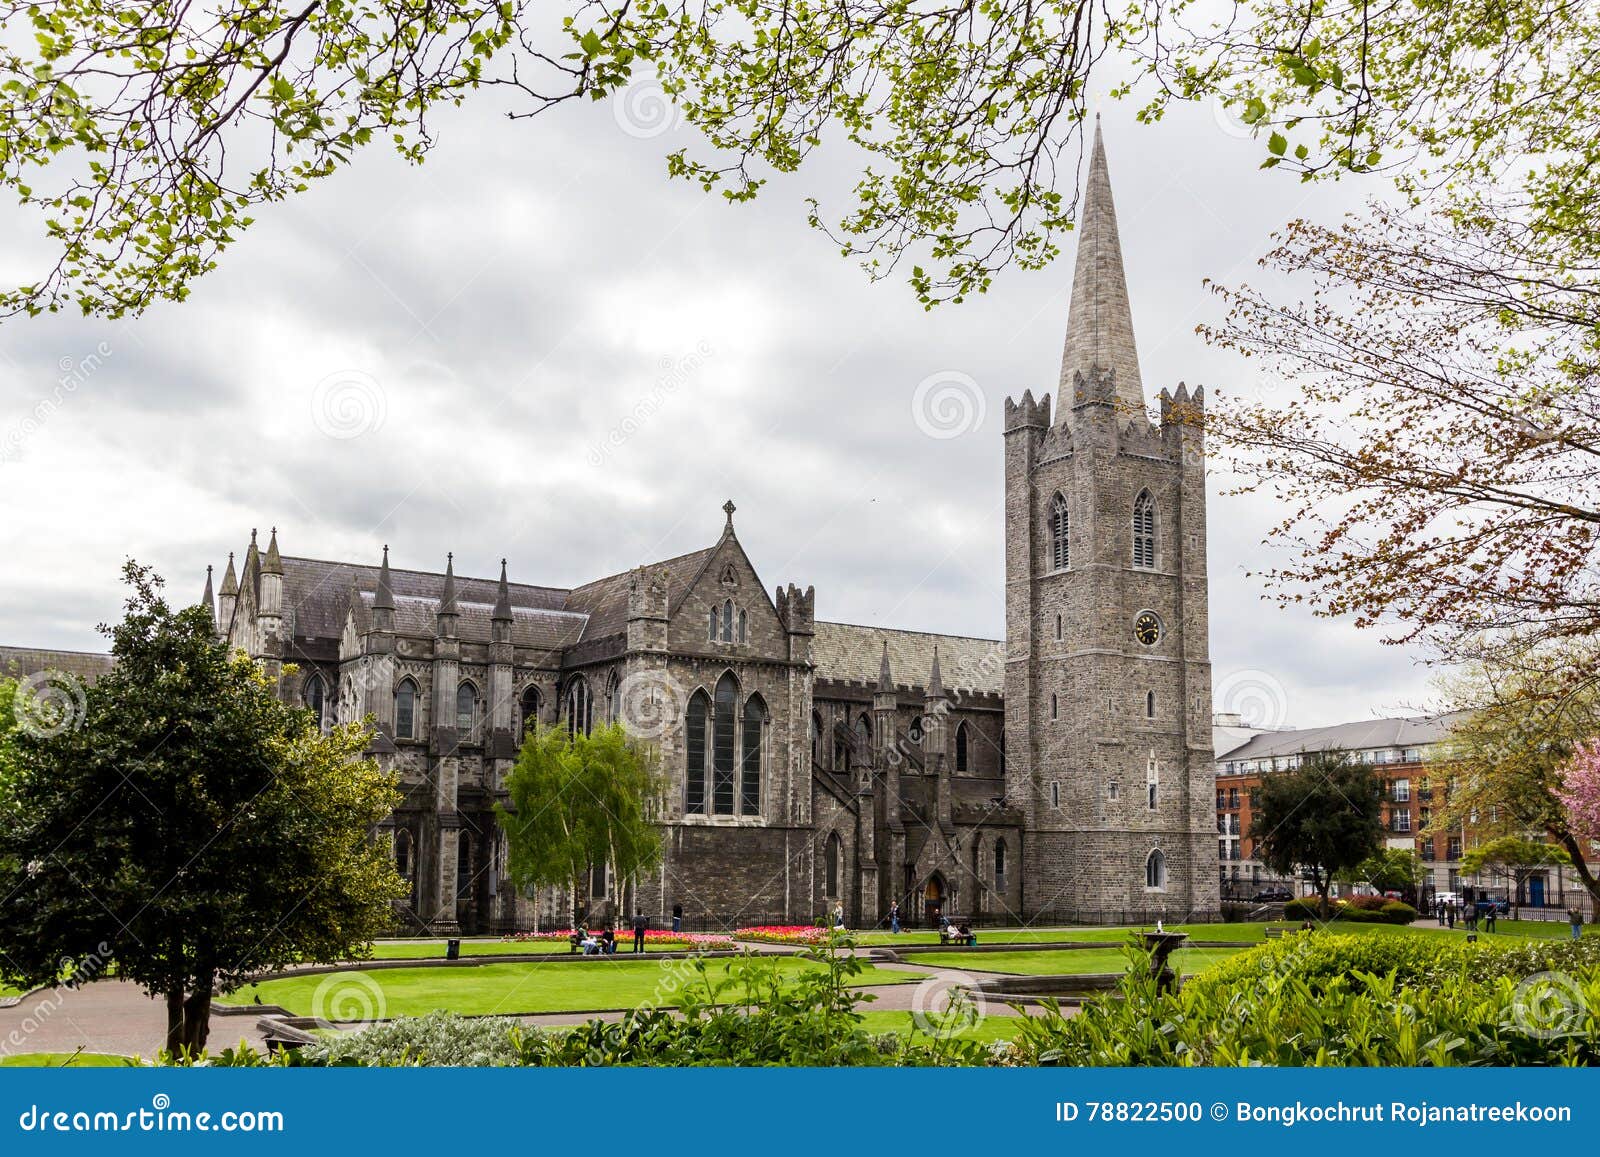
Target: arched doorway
{"points": [[934, 894]]}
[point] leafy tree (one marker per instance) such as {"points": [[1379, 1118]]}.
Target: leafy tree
{"points": [[142, 137], [1513, 858], [1512, 742], [577, 801], [1323, 818], [1387, 870], [193, 830], [1435, 456]]}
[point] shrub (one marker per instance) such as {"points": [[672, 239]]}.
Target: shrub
{"points": [[438, 1040], [1355, 910]]}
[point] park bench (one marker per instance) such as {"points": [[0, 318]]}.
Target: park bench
{"points": [[1273, 933], [952, 936]]}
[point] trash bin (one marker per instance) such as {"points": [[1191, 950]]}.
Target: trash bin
{"points": [[452, 950]]}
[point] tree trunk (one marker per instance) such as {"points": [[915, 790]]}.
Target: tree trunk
{"points": [[175, 1021], [197, 1018]]}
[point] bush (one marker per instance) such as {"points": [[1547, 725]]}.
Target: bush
{"points": [[1355, 910], [438, 1040], [1321, 999]]}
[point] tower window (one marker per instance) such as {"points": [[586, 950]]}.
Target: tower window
{"points": [[1058, 627], [1055, 794], [405, 710], [1155, 871], [1059, 525], [1152, 778], [831, 859], [962, 752], [1055, 707], [1144, 531], [1149, 704]]}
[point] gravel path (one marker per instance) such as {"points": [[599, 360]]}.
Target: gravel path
{"points": [[107, 1016]]}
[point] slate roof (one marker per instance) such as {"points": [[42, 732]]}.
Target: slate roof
{"points": [[86, 666], [851, 653], [1360, 735], [605, 601]]}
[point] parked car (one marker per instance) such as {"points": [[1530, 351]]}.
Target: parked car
{"points": [[1272, 895], [1501, 907]]}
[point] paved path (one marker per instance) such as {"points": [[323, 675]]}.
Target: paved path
{"points": [[107, 1016]]}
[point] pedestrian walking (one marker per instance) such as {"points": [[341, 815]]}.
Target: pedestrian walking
{"points": [[640, 923], [1575, 918], [677, 917]]}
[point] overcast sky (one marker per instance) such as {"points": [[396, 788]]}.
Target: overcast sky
{"points": [[537, 346]]}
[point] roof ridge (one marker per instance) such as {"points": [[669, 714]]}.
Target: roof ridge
{"points": [[907, 631], [428, 573]]}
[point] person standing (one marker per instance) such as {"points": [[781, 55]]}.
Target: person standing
{"points": [[1575, 918], [894, 917], [640, 923], [838, 915], [677, 917]]}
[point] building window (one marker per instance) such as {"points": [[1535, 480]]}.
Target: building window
{"points": [[580, 708], [722, 733], [1113, 790], [831, 855], [1055, 794], [1054, 706], [1402, 791], [743, 626], [1152, 778], [712, 625], [816, 740], [463, 867], [727, 621], [1402, 820], [755, 715], [466, 708], [597, 880], [405, 710], [1149, 704], [1155, 871], [1144, 531], [694, 781], [864, 740], [530, 711], [962, 752], [1222, 849], [1453, 848], [1060, 553], [1058, 628], [402, 854], [313, 696], [614, 698], [999, 865]]}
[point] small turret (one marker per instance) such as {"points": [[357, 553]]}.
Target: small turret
{"points": [[273, 562], [884, 706], [500, 619], [449, 611], [383, 600], [208, 600], [228, 597], [270, 610]]}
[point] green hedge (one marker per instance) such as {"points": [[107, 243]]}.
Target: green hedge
{"points": [[1359, 910]]}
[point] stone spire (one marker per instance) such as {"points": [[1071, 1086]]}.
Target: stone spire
{"points": [[209, 600], [447, 601], [1099, 322], [230, 581], [885, 678], [935, 683], [384, 599], [502, 600], [273, 563]]}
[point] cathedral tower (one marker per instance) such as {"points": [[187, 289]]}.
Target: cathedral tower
{"points": [[1108, 678]]}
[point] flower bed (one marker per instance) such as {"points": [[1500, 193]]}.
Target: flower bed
{"points": [[784, 934], [656, 939]]}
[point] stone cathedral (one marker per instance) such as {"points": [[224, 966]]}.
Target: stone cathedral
{"points": [[1062, 774]]}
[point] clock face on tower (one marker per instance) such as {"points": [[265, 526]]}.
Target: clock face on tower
{"points": [[1147, 628]]}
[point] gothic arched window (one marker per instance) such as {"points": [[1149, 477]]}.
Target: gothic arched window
{"points": [[755, 715], [832, 853], [1060, 523], [727, 620], [1144, 531], [613, 698], [405, 710], [1149, 704], [694, 780], [402, 854], [712, 620], [816, 740], [1155, 870], [962, 754], [864, 738], [466, 708], [722, 738], [313, 696], [744, 626], [999, 865], [530, 710], [580, 708]]}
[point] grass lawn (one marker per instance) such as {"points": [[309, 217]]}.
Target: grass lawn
{"points": [[1063, 962], [991, 1028], [1232, 933], [425, 949], [63, 1060], [559, 986]]}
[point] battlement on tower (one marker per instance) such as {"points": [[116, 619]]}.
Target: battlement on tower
{"points": [[1026, 413]]}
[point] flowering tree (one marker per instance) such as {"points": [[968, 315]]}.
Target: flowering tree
{"points": [[1580, 782]]}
